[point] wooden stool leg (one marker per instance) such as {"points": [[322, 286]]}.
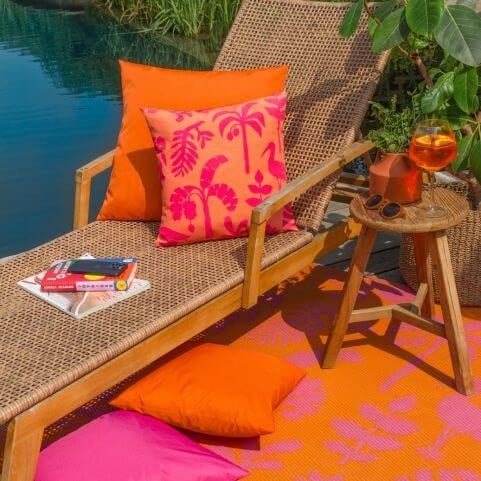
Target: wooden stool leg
{"points": [[349, 295], [22, 447], [424, 272], [453, 321]]}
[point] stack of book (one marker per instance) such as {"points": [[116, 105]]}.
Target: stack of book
{"points": [[81, 294]]}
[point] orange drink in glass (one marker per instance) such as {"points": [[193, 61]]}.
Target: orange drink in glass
{"points": [[432, 148]]}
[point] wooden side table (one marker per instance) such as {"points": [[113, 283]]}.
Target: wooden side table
{"points": [[429, 241]]}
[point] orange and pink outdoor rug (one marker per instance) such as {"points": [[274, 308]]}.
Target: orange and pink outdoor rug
{"points": [[386, 412]]}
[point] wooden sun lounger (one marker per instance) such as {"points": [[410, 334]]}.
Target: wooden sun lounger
{"points": [[50, 363]]}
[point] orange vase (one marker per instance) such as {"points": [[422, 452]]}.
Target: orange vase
{"points": [[396, 178]]}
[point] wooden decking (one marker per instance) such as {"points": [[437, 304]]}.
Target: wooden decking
{"points": [[384, 260]]}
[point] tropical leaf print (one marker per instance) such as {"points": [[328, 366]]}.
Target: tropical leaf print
{"points": [[387, 423], [159, 147], [225, 194], [442, 474], [171, 235], [184, 200], [460, 416], [209, 170], [181, 115], [182, 206], [382, 435], [315, 476], [237, 124], [262, 190], [352, 430], [306, 400], [241, 229], [403, 404], [349, 453], [185, 143]]}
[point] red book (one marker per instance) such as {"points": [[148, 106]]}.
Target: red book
{"points": [[57, 279]]}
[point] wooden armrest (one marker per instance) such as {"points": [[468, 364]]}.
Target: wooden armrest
{"points": [[83, 180], [294, 189], [262, 212]]}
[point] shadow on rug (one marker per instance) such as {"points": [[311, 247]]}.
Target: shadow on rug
{"points": [[388, 410]]}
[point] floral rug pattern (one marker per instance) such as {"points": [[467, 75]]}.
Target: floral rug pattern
{"points": [[387, 411]]}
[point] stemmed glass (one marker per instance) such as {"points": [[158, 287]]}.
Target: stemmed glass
{"points": [[433, 146]]}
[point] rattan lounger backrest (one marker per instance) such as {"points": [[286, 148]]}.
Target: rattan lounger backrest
{"points": [[330, 81]]}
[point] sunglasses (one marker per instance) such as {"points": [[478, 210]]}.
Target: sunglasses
{"points": [[387, 209]]}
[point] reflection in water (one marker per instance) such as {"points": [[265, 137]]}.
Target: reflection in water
{"points": [[60, 107]]}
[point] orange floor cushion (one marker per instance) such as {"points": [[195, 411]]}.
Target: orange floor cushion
{"points": [[134, 189], [215, 389]]}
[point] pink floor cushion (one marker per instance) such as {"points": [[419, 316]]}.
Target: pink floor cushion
{"points": [[127, 446]]}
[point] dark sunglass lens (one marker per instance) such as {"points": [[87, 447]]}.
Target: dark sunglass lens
{"points": [[373, 200], [391, 210]]}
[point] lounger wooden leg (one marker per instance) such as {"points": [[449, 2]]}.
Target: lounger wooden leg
{"points": [[453, 321], [424, 272], [349, 295], [22, 447]]}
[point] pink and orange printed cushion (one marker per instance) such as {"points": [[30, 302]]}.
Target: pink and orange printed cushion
{"points": [[216, 165]]}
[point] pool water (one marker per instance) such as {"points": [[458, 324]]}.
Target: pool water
{"points": [[60, 108]]}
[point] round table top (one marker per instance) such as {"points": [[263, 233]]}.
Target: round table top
{"points": [[456, 208]]}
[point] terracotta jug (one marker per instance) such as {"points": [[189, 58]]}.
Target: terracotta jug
{"points": [[396, 178]]}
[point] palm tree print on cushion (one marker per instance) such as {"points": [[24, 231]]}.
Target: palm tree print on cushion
{"points": [[209, 182], [235, 123]]}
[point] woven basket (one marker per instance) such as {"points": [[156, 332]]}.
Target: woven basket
{"points": [[465, 246]]}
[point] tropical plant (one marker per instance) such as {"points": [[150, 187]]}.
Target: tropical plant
{"points": [[396, 127], [443, 42]]}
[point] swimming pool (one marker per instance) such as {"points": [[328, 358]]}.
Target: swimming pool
{"points": [[60, 108]]}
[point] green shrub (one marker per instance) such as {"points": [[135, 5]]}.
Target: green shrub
{"points": [[190, 18], [396, 127]]}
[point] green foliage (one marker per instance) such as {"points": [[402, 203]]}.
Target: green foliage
{"points": [[437, 96], [350, 21], [396, 127], [475, 160], [392, 31], [442, 43], [381, 12], [465, 90], [190, 18], [423, 16], [459, 34], [464, 149]]}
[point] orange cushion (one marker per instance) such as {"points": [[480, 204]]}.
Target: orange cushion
{"points": [[215, 389], [134, 188], [217, 165]]}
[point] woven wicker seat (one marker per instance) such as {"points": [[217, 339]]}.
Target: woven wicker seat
{"points": [[43, 349], [50, 364]]}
